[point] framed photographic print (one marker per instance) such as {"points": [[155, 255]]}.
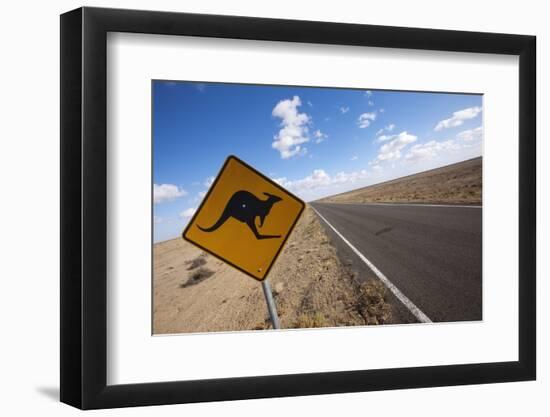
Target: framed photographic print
{"points": [[256, 208]]}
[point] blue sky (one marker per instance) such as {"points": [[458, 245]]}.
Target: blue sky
{"points": [[313, 141]]}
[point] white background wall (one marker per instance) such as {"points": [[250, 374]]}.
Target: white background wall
{"points": [[29, 175]]}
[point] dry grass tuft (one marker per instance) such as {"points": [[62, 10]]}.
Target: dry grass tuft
{"points": [[197, 276], [197, 262], [372, 303], [308, 321]]}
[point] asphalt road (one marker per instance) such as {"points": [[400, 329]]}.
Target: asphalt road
{"points": [[432, 254]]}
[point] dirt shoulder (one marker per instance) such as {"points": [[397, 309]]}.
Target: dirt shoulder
{"points": [[459, 183], [195, 292]]}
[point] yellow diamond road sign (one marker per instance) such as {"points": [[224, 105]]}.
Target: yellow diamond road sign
{"points": [[245, 219]]}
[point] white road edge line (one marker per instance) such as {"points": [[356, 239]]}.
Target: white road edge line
{"points": [[423, 318]]}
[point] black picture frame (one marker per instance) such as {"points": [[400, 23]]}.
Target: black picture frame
{"points": [[84, 207]]}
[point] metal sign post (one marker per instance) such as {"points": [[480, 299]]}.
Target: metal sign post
{"points": [[271, 304], [245, 220]]}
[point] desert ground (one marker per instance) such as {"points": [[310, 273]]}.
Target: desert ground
{"points": [[196, 292], [315, 281], [458, 183]]}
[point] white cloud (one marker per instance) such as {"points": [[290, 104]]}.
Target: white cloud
{"points": [[209, 181], [294, 130], [398, 156], [467, 144], [391, 150], [319, 136], [430, 149], [309, 103], [349, 177], [365, 119], [344, 110], [157, 219], [381, 110], [471, 134], [166, 192], [319, 178], [185, 214], [458, 118], [368, 93], [371, 103], [387, 128], [384, 138], [280, 180]]}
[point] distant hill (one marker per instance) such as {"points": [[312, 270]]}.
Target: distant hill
{"points": [[459, 183]]}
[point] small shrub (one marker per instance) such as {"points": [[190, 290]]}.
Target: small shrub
{"points": [[197, 276], [197, 262], [372, 303]]}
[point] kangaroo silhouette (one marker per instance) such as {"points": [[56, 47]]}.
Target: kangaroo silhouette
{"points": [[245, 207]]}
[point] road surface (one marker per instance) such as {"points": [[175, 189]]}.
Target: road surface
{"points": [[431, 254]]}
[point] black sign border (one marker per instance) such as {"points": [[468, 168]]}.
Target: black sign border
{"points": [[269, 180]]}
